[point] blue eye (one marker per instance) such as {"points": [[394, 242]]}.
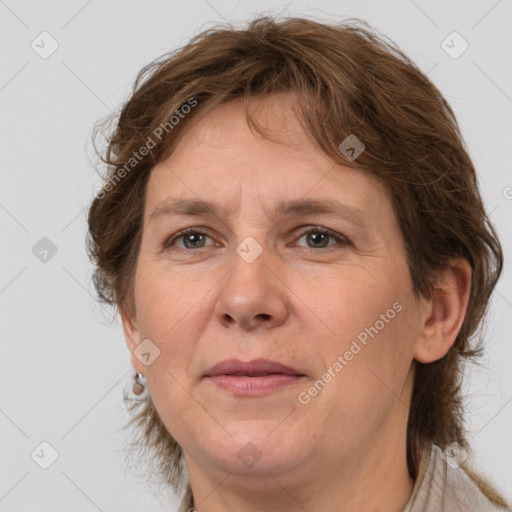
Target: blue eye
{"points": [[195, 238], [318, 236]]}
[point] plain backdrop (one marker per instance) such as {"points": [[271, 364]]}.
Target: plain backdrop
{"points": [[64, 360]]}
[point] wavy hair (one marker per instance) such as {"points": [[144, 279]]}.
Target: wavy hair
{"points": [[348, 79]]}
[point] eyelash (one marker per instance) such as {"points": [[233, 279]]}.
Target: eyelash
{"points": [[315, 229]]}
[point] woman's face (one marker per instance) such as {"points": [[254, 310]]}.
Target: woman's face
{"points": [[250, 283]]}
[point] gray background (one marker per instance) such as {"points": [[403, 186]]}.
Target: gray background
{"points": [[65, 362]]}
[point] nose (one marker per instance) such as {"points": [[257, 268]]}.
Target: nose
{"points": [[252, 295]]}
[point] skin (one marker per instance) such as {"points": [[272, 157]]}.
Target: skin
{"points": [[299, 303]]}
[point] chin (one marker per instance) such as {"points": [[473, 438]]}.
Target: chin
{"points": [[258, 447]]}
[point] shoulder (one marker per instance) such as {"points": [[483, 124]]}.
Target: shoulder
{"points": [[443, 485]]}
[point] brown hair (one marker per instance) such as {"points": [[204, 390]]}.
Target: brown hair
{"points": [[348, 80]]}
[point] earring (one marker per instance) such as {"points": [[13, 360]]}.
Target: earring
{"points": [[138, 387]]}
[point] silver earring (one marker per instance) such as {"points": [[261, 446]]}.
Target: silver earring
{"points": [[138, 387]]}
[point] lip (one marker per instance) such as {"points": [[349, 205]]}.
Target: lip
{"points": [[252, 378]]}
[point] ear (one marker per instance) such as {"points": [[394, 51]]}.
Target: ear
{"points": [[444, 314], [131, 334]]}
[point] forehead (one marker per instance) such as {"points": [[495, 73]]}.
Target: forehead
{"points": [[219, 157], [276, 113]]}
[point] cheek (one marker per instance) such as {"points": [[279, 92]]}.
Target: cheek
{"points": [[164, 299], [168, 316], [369, 383], [360, 308], [371, 330]]}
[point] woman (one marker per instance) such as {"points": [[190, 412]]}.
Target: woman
{"points": [[292, 231]]}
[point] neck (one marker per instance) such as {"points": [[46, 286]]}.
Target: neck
{"points": [[375, 479]]}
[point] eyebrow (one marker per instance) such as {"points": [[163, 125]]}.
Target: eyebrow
{"points": [[285, 208]]}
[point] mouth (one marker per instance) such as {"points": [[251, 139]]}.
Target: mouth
{"points": [[252, 378]]}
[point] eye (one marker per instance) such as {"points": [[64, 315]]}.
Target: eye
{"points": [[193, 238], [318, 237]]}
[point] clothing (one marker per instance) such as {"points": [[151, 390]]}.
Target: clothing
{"points": [[439, 487]]}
